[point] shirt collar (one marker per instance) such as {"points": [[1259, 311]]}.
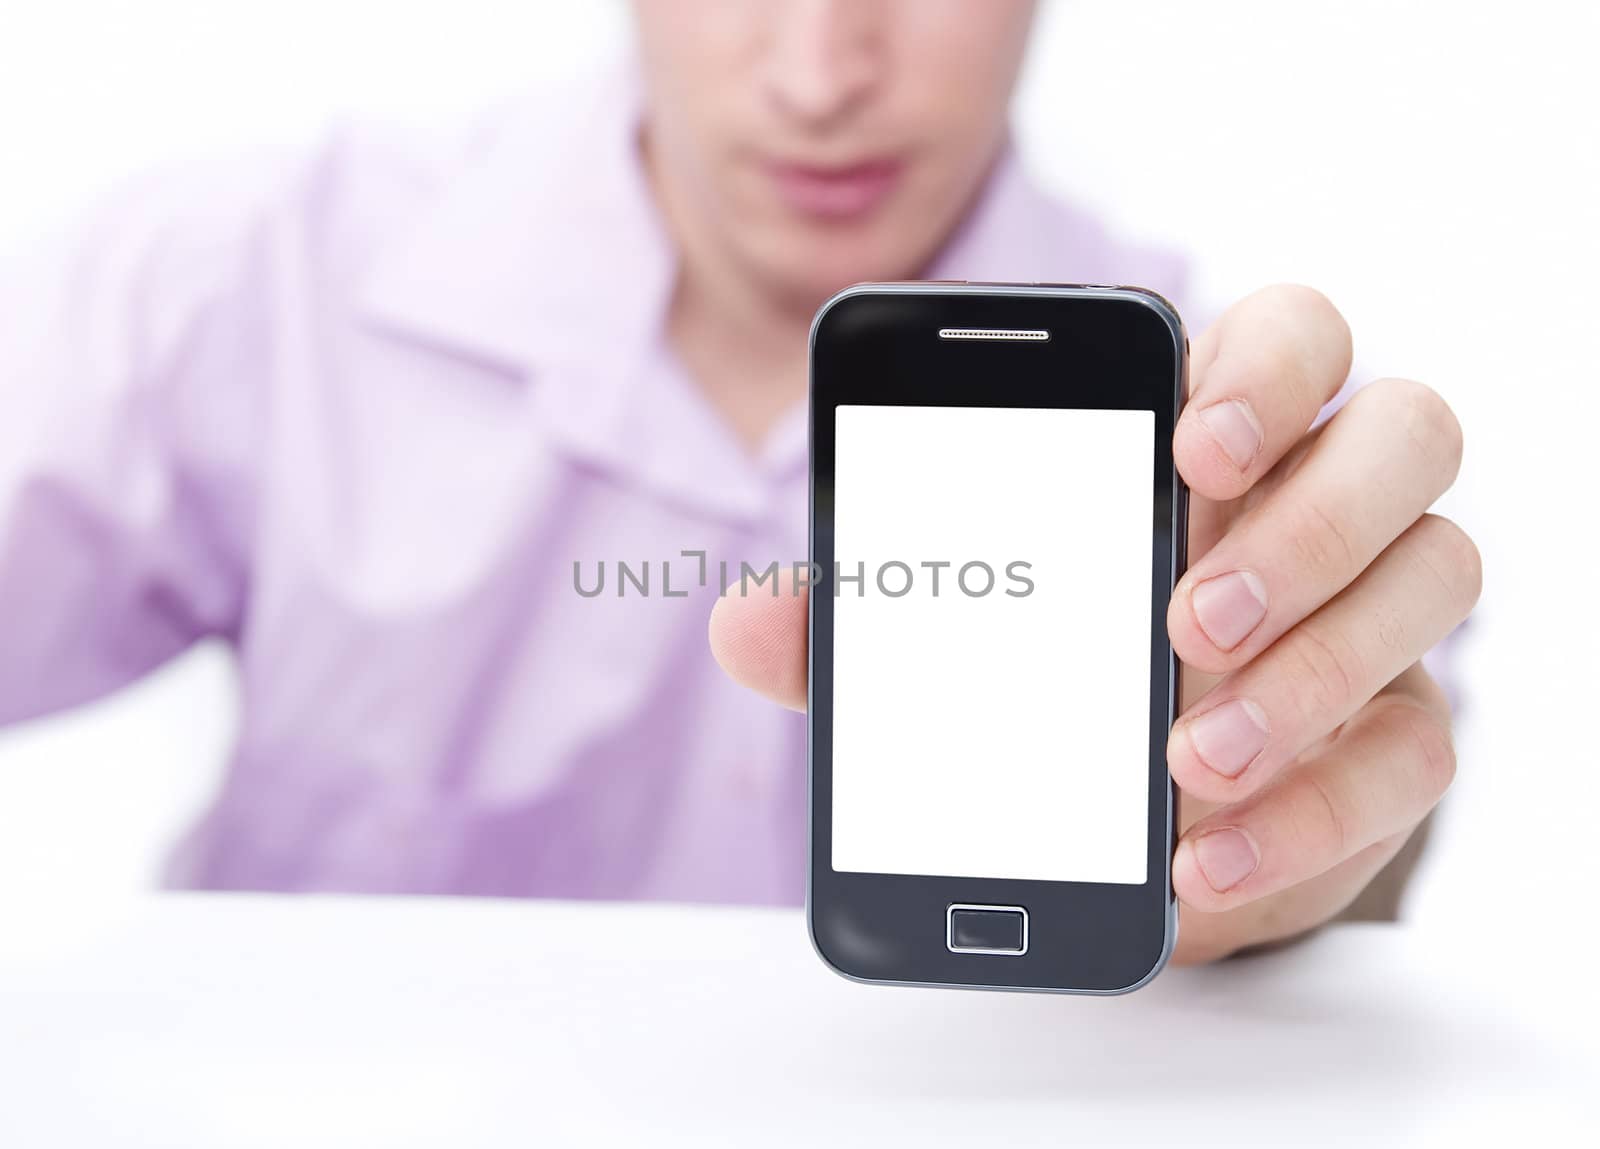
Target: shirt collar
{"points": [[542, 249], [544, 256]]}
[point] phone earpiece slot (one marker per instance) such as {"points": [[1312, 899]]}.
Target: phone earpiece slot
{"points": [[1005, 334]]}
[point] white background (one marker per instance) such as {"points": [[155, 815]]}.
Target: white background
{"points": [[1432, 166], [962, 744]]}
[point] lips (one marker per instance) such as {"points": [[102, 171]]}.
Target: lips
{"points": [[836, 193]]}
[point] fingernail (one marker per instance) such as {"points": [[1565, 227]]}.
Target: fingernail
{"points": [[1226, 858], [1235, 428], [1230, 606], [1229, 737]]}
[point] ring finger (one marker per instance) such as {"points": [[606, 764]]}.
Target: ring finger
{"points": [[1379, 778], [1260, 718]]}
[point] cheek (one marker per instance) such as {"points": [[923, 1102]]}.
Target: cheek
{"points": [[698, 59], [691, 146], [949, 168], [955, 75]]}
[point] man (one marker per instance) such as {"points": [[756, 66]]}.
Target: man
{"points": [[361, 417]]}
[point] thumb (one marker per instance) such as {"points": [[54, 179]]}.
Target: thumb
{"points": [[759, 638]]}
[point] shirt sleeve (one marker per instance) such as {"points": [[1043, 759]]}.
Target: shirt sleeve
{"points": [[130, 376]]}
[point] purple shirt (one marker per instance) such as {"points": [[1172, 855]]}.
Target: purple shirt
{"points": [[358, 414]]}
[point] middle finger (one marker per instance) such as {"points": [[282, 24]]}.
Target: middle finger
{"points": [[1374, 469]]}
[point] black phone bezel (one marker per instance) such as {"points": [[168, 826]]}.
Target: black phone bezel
{"points": [[1108, 347]]}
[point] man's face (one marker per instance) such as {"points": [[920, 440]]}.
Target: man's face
{"points": [[822, 142]]}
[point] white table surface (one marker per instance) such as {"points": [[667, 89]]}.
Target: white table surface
{"points": [[260, 1021]]}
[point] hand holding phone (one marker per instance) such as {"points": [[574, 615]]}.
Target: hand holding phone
{"points": [[1312, 741]]}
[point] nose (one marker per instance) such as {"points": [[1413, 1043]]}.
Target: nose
{"points": [[824, 57]]}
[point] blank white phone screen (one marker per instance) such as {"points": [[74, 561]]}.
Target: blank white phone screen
{"points": [[990, 718]]}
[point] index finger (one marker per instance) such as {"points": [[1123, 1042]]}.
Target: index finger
{"points": [[1260, 375]]}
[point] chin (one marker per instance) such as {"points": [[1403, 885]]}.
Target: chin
{"points": [[806, 271]]}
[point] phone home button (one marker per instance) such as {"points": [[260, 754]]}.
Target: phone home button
{"points": [[976, 929]]}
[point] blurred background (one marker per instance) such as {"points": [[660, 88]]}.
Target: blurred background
{"points": [[1433, 167]]}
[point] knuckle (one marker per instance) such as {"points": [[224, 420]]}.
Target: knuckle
{"points": [[1324, 671], [1427, 420], [1320, 821], [1312, 307], [1327, 327], [1322, 541], [1390, 628], [1454, 560], [1431, 749], [1312, 344], [1283, 362]]}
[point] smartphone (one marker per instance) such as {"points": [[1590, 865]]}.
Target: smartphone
{"points": [[996, 528]]}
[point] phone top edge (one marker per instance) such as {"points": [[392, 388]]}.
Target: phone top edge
{"points": [[1125, 292]]}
